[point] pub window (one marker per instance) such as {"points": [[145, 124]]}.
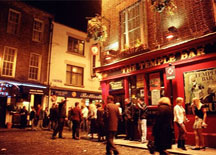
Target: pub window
{"points": [[9, 61], [155, 87], [13, 21], [74, 75], [34, 66], [76, 45], [132, 26], [37, 30]]}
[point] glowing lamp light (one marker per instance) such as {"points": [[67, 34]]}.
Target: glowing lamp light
{"points": [[170, 36], [108, 58], [94, 49]]}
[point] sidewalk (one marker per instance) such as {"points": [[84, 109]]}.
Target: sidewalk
{"points": [[174, 150]]}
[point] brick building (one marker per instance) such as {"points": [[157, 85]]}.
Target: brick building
{"points": [[24, 52], [160, 48]]}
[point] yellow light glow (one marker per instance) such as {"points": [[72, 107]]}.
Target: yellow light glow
{"points": [[74, 69], [170, 36]]}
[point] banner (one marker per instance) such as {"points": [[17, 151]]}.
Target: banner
{"points": [[201, 84]]}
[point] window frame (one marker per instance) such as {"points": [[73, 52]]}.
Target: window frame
{"points": [[71, 72], [38, 67], [38, 31], [14, 62], [12, 22], [124, 25], [71, 49]]}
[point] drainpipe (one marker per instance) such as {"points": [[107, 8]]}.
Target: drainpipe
{"points": [[49, 57]]}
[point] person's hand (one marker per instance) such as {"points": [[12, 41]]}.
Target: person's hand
{"points": [[204, 125]]}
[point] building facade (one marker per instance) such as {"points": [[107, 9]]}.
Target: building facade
{"points": [[71, 67], [161, 48], [24, 51]]}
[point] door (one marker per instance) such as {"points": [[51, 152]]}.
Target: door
{"points": [[3, 103]]}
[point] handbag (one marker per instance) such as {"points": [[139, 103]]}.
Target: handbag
{"points": [[151, 146]]}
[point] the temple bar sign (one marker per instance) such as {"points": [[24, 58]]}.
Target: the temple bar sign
{"points": [[170, 72]]}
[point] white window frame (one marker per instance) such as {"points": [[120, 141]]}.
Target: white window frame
{"points": [[37, 30], [13, 63], [10, 22], [80, 41], [71, 72], [143, 25], [37, 67]]}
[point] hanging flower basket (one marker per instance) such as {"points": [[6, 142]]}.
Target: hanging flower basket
{"points": [[161, 5], [96, 30]]}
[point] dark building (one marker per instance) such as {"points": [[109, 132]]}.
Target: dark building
{"points": [[24, 57]]}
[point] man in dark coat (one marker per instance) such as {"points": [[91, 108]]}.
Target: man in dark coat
{"points": [[111, 116], [61, 119], [162, 130], [76, 117]]}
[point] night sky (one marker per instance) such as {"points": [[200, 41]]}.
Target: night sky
{"points": [[72, 13]]}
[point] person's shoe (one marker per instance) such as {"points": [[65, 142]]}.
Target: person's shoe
{"points": [[196, 148], [179, 144], [61, 137], [53, 137], [203, 148], [116, 152]]}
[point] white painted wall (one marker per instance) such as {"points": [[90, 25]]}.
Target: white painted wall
{"points": [[60, 58]]}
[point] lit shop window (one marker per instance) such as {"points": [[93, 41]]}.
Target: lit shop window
{"points": [[132, 25], [9, 61], [13, 21], [76, 45], [37, 30], [74, 75], [34, 66]]}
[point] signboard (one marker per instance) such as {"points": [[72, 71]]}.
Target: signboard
{"points": [[115, 85], [154, 81], [201, 84], [77, 94], [155, 96], [170, 72]]}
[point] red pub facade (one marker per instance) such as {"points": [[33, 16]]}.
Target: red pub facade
{"points": [[144, 56]]}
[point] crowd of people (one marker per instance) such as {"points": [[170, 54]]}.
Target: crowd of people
{"points": [[107, 121]]}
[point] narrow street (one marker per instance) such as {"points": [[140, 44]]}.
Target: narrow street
{"points": [[26, 142]]}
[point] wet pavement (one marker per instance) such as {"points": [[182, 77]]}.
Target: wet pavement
{"points": [[27, 142]]}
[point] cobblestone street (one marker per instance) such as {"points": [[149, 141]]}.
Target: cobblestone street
{"points": [[19, 141]]}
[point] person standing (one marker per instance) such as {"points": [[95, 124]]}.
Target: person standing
{"points": [[69, 121], [76, 116], [180, 119], [85, 112], [32, 117], [52, 117], [199, 111], [40, 117], [143, 118], [111, 114], [128, 116], [23, 114], [100, 122], [162, 129], [61, 113]]}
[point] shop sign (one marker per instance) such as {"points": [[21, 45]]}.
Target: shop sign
{"points": [[163, 60], [36, 91], [170, 72], [76, 94], [201, 84], [115, 85], [154, 80]]}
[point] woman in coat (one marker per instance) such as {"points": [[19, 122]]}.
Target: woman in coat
{"points": [[162, 130]]}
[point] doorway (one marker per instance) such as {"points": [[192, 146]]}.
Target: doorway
{"points": [[3, 105]]}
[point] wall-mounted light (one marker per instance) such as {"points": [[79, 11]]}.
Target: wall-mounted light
{"points": [[172, 32]]}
